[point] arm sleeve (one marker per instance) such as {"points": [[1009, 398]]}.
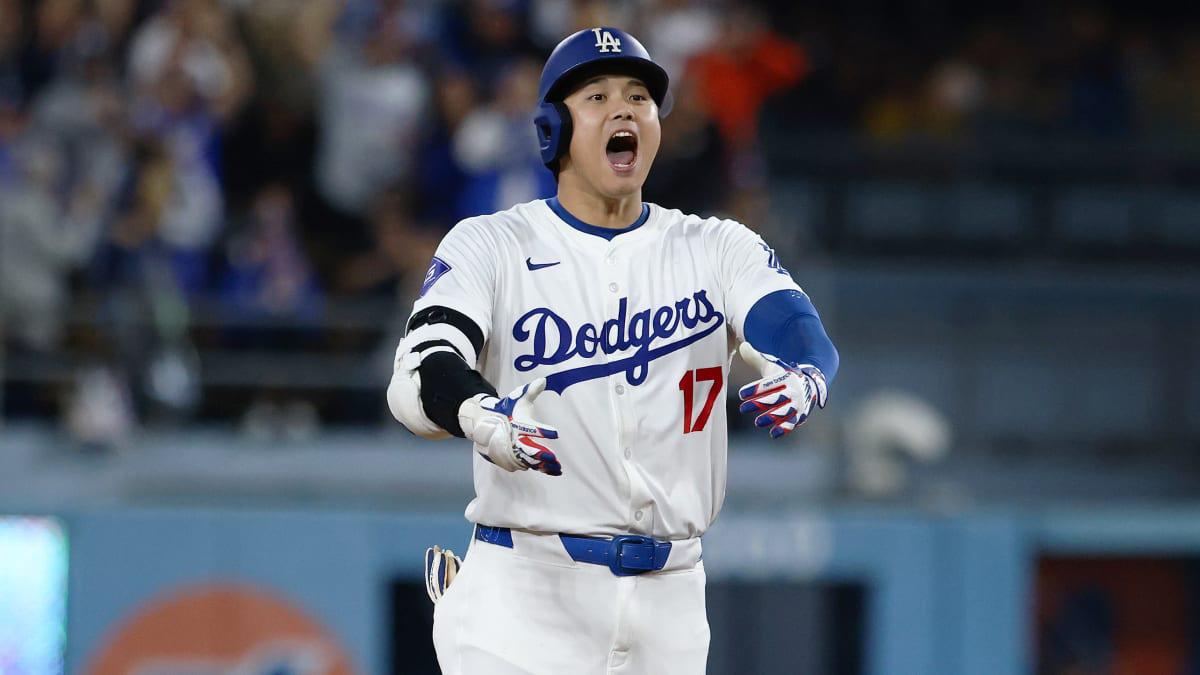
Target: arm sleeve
{"points": [[786, 325]]}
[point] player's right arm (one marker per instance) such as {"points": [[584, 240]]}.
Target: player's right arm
{"points": [[435, 391]]}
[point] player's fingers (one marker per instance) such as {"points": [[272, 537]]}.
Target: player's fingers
{"points": [[530, 446], [539, 457], [533, 389], [771, 417], [782, 429], [769, 396], [814, 380], [753, 357], [788, 425], [522, 398], [803, 414], [819, 390], [767, 385], [523, 408], [764, 403], [549, 464], [750, 390]]}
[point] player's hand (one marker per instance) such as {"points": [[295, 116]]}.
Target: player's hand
{"points": [[505, 432], [784, 397], [440, 569]]}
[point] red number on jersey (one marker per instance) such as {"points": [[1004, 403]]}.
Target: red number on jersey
{"points": [[687, 385]]}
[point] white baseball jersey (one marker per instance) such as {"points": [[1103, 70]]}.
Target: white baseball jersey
{"points": [[634, 336]]}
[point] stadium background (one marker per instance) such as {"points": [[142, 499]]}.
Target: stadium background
{"points": [[214, 215]]}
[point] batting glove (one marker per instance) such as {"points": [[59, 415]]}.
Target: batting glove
{"points": [[504, 431], [440, 569], [784, 397]]}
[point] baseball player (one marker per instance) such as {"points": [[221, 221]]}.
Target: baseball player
{"points": [[609, 324]]}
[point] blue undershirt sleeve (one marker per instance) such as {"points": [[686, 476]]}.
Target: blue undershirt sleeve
{"points": [[786, 325]]}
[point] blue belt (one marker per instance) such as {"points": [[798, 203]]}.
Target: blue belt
{"points": [[626, 554]]}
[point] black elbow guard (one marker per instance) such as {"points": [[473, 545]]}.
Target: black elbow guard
{"points": [[447, 381]]}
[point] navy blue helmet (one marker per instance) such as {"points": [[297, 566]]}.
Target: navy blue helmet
{"points": [[590, 52]]}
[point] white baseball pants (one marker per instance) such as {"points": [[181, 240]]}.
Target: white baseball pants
{"points": [[532, 610]]}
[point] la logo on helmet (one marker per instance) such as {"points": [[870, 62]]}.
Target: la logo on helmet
{"points": [[606, 42]]}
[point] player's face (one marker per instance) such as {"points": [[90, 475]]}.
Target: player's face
{"points": [[615, 134]]}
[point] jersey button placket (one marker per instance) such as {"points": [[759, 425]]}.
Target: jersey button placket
{"points": [[624, 423], [610, 259], [639, 493]]}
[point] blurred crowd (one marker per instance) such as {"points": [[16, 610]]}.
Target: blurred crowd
{"points": [[987, 70], [267, 159], [274, 152]]}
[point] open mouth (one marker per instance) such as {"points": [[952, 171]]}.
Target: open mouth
{"points": [[622, 150]]}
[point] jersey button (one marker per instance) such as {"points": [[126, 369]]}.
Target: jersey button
{"points": [[637, 515], [628, 453], [612, 287], [620, 389]]}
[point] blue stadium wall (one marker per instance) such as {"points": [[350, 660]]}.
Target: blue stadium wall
{"points": [[945, 594]]}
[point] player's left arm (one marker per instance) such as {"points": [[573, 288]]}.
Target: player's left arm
{"points": [[436, 390], [786, 342], [781, 331]]}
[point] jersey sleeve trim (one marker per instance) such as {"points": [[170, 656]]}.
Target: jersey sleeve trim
{"points": [[603, 232]]}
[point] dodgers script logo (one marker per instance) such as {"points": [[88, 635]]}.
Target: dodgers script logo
{"points": [[555, 341]]}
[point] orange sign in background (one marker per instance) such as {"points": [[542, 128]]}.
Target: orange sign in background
{"points": [[1115, 615], [220, 628]]}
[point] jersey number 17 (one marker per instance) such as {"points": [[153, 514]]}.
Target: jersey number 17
{"points": [[687, 384]]}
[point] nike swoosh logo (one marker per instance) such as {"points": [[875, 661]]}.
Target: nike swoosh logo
{"points": [[537, 266]]}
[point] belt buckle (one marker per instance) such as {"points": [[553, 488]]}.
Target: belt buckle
{"points": [[614, 559]]}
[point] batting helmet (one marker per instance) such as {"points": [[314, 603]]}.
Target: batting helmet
{"points": [[590, 52]]}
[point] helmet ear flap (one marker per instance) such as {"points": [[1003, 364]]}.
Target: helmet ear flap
{"points": [[553, 123]]}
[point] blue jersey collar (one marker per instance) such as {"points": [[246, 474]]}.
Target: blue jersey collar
{"points": [[605, 232]]}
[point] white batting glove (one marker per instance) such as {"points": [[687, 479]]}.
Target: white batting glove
{"points": [[784, 397], [504, 430], [440, 569]]}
